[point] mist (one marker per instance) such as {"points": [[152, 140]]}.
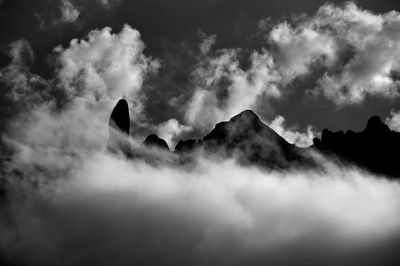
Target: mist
{"points": [[108, 210]]}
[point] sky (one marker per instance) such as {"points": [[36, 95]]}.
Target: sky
{"points": [[291, 63], [183, 66]]}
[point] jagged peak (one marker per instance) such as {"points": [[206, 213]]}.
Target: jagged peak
{"points": [[375, 124], [120, 116]]}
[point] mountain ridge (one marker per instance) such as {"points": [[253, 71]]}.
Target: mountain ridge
{"points": [[247, 138]]}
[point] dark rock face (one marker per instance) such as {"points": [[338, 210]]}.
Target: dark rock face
{"points": [[246, 137], [188, 145], [374, 149], [154, 141], [120, 117], [119, 126]]}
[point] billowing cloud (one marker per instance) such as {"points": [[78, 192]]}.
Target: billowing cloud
{"points": [[299, 48], [358, 49], [105, 66], [394, 121], [171, 130], [92, 75], [301, 139], [225, 88]]}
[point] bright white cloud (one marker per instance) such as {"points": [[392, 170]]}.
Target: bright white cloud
{"points": [[171, 130], [105, 66], [299, 48], [360, 51], [300, 139]]}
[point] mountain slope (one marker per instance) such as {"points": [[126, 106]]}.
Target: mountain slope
{"points": [[375, 148], [246, 138], [250, 141]]}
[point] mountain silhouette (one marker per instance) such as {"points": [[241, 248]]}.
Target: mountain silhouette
{"points": [[246, 138], [250, 140], [154, 141], [375, 148], [119, 126]]}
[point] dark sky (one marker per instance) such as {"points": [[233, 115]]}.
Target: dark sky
{"points": [[171, 31]]}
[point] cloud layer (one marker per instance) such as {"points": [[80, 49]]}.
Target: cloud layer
{"points": [[106, 210]]}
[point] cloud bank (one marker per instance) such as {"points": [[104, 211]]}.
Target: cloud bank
{"points": [[107, 210], [105, 65]]}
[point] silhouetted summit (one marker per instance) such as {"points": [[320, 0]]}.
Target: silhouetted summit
{"points": [[155, 141], [375, 148], [247, 138], [119, 126], [120, 117], [376, 126]]}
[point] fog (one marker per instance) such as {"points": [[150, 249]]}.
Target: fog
{"points": [[108, 210]]}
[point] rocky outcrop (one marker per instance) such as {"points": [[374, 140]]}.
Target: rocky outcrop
{"points": [[153, 141], [247, 138], [119, 125], [375, 148]]}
